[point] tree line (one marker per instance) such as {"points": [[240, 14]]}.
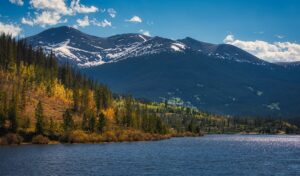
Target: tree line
{"points": [[91, 107], [24, 69]]}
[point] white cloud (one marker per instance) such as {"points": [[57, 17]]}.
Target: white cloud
{"points": [[279, 36], [146, 33], [10, 29], [58, 6], [228, 39], [83, 22], [112, 12], [135, 19], [17, 2], [50, 12], [79, 8], [271, 52], [48, 18], [86, 22], [103, 23], [44, 18], [27, 21]]}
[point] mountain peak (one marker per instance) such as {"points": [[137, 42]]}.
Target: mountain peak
{"points": [[74, 46], [61, 29]]}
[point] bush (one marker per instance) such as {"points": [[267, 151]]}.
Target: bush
{"points": [[95, 138], [11, 139], [77, 136], [110, 137], [136, 136], [40, 139]]}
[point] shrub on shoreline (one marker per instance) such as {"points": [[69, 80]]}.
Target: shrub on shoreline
{"points": [[79, 136], [40, 139], [11, 139]]}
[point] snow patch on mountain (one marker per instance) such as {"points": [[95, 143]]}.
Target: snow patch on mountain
{"points": [[71, 45], [142, 37], [178, 46], [64, 50]]}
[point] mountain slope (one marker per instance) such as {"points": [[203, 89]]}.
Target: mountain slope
{"points": [[224, 87], [83, 50], [216, 78]]}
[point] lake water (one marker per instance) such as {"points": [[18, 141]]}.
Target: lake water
{"points": [[210, 155]]}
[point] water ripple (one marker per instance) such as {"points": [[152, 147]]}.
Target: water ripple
{"points": [[210, 155]]}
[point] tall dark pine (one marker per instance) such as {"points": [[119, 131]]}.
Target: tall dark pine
{"points": [[39, 116], [68, 120], [12, 115], [101, 123]]}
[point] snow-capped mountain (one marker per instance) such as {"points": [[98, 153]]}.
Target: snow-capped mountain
{"points": [[84, 50], [216, 78]]}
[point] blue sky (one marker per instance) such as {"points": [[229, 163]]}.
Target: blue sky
{"points": [[206, 20]]}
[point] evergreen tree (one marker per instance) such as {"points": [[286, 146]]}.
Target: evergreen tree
{"points": [[92, 122], [128, 120], [12, 115], [2, 120], [39, 117], [76, 99], [51, 127], [3, 109], [84, 123], [68, 122], [101, 123]]}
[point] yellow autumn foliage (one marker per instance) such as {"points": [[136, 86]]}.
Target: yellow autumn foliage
{"points": [[61, 92], [91, 102], [109, 113]]}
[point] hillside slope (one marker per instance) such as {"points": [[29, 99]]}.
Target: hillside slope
{"points": [[217, 78], [218, 86]]}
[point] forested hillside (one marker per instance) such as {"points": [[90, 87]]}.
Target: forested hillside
{"points": [[41, 101], [218, 78]]}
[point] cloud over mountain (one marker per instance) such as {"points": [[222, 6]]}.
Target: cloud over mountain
{"points": [[135, 19], [50, 12], [83, 22], [271, 52]]}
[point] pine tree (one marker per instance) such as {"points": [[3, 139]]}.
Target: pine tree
{"points": [[101, 123], [39, 116], [2, 120], [92, 122], [51, 127], [76, 99], [3, 108], [12, 114], [128, 121], [84, 123], [68, 120]]}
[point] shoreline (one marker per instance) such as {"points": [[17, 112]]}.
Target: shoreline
{"points": [[160, 138], [91, 139]]}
